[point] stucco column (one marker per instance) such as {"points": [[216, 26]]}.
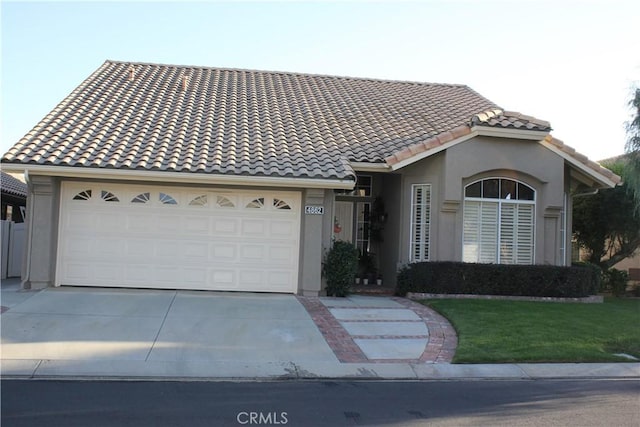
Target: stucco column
{"points": [[311, 260], [449, 247], [551, 243], [42, 223]]}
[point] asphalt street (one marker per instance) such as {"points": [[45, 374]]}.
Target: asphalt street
{"points": [[321, 403]]}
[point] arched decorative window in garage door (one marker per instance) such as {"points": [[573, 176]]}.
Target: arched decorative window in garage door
{"points": [[499, 222]]}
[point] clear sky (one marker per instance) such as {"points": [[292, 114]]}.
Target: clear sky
{"points": [[572, 63]]}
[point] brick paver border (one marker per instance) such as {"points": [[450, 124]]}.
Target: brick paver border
{"points": [[440, 348], [339, 340], [443, 339]]}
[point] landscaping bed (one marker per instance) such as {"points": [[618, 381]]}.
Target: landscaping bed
{"points": [[499, 331]]}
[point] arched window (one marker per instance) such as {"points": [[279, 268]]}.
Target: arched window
{"points": [[166, 199], [499, 222], [141, 198], [199, 201], [83, 195], [281, 204], [224, 202], [256, 203], [108, 196]]}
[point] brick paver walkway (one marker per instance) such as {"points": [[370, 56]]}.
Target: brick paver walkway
{"points": [[440, 348]]}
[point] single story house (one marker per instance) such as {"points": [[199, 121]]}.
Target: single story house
{"points": [[13, 198], [185, 177]]}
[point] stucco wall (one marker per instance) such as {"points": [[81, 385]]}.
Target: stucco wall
{"points": [[42, 232], [427, 171], [311, 243], [483, 157]]}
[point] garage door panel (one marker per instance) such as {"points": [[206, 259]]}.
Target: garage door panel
{"points": [[197, 251], [179, 238], [167, 274], [168, 249], [77, 271], [107, 247], [78, 246], [80, 221], [109, 220], [279, 279], [223, 251], [168, 223], [281, 254], [253, 227], [108, 273], [251, 278], [253, 253], [283, 228], [225, 226], [198, 225], [194, 276], [138, 223], [223, 279], [138, 274], [138, 247]]}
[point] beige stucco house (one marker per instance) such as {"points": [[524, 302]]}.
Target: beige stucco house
{"points": [[163, 176]]}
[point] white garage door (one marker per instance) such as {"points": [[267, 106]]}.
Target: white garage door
{"points": [[178, 238]]}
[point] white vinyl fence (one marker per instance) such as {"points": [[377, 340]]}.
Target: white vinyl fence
{"points": [[13, 242]]}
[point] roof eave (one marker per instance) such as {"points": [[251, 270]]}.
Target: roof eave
{"points": [[179, 177], [534, 135], [370, 167], [600, 178]]}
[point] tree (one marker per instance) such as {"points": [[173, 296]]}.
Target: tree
{"points": [[633, 150], [607, 224]]}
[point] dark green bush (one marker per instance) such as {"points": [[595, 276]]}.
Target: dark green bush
{"points": [[496, 279], [340, 268], [615, 281]]}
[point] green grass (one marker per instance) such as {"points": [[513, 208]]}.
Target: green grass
{"points": [[494, 331]]}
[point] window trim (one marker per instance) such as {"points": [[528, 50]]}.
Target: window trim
{"points": [[412, 241], [353, 193], [500, 202]]}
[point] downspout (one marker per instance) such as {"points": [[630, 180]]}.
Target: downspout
{"points": [[26, 257]]}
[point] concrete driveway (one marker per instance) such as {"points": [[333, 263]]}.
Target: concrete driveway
{"points": [[101, 331], [141, 334]]}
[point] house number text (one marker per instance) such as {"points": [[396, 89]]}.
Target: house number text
{"points": [[314, 210]]}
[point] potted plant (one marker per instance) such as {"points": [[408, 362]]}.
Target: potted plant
{"points": [[365, 267]]}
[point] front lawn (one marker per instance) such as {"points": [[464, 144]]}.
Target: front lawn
{"points": [[498, 331]]}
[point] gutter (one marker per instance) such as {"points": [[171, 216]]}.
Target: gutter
{"points": [[179, 177]]}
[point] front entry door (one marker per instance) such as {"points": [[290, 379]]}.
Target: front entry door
{"points": [[343, 221], [353, 228]]}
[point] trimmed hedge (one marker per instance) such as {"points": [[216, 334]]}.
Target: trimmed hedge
{"points": [[340, 267], [498, 279]]}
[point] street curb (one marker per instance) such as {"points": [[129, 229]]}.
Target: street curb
{"points": [[291, 371]]}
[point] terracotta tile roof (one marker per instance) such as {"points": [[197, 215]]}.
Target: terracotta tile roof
{"points": [[228, 121], [509, 119], [12, 186], [244, 122], [583, 159], [428, 145]]}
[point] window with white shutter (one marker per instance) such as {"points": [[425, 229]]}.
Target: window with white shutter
{"points": [[420, 222], [498, 222]]}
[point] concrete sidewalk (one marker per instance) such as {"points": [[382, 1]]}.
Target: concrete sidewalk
{"points": [[147, 334]]}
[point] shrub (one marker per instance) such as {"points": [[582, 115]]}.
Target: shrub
{"points": [[496, 279], [340, 268], [615, 281]]}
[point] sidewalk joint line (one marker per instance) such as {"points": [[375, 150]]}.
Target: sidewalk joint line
{"points": [[33, 374], [164, 319]]}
